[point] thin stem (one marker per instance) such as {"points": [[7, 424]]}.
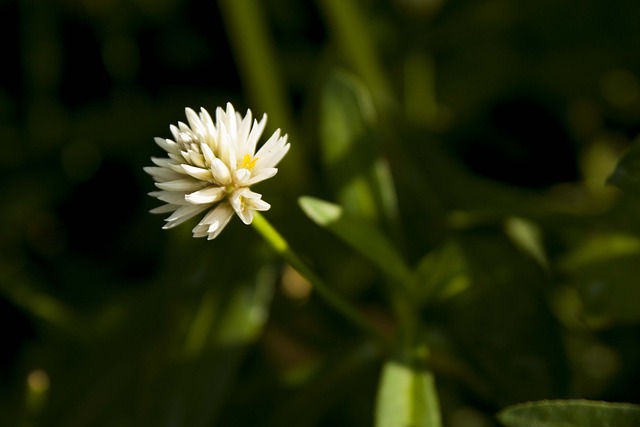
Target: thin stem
{"points": [[257, 58], [281, 246]]}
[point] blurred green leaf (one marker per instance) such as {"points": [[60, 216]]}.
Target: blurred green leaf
{"points": [[442, 273], [527, 237], [626, 175], [407, 397], [348, 153], [346, 21], [605, 270], [217, 338], [361, 179], [571, 413], [359, 234], [501, 323], [600, 248], [247, 311]]}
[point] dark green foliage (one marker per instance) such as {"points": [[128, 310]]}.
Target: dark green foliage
{"points": [[465, 174]]}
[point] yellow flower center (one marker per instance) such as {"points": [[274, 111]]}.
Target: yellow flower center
{"points": [[248, 162]]}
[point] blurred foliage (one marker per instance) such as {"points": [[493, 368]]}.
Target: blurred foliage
{"points": [[468, 145]]}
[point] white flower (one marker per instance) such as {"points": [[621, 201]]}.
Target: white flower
{"points": [[210, 167]]}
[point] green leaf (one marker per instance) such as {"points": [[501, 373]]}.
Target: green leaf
{"points": [[626, 176], [359, 234], [348, 27], [407, 397], [571, 413], [442, 273], [501, 323], [527, 237], [604, 270], [360, 179]]}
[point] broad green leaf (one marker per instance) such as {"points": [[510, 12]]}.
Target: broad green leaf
{"points": [[407, 397], [626, 175], [571, 413], [359, 234]]}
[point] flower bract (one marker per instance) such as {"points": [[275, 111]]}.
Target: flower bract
{"points": [[211, 166]]}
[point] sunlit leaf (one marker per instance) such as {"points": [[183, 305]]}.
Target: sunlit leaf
{"points": [[362, 236], [527, 237], [571, 413], [407, 397]]}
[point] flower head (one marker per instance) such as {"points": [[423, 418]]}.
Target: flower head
{"points": [[211, 167]]}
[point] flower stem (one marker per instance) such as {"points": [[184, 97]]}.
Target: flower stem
{"points": [[281, 246]]}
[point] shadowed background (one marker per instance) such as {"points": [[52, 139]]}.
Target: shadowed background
{"points": [[109, 320]]}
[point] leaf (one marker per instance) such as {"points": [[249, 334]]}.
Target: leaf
{"points": [[501, 323], [360, 179], [626, 175], [604, 270], [527, 237], [359, 234], [407, 397], [442, 273], [571, 413]]}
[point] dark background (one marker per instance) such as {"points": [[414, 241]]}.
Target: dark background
{"points": [[525, 90]]}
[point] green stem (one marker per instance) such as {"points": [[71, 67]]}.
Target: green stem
{"points": [[348, 27], [281, 246], [256, 56]]}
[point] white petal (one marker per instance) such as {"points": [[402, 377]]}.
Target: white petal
{"points": [[232, 126], [177, 167], [226, 147], [194, 122], [270, 154], [174, 131], [244, 202], [241, 177], [216, 220], [242, 136], [200, 231], [207, 153], [198, 173], [162, 174], [167, 145], [220, 172], [173, 197], [163, 162], [208, 123], [235, 199], [197, 159], [262, 175], [182, 214], [185, 184], [184, 129], [163, 209], [258, 205], [254, 136], [208, 195], [246, 216]]}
